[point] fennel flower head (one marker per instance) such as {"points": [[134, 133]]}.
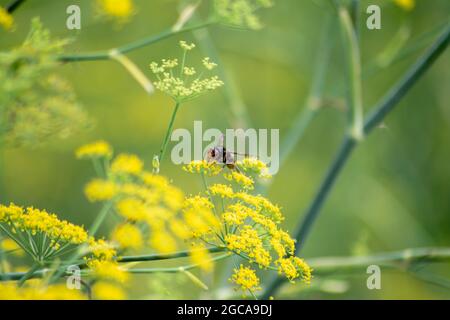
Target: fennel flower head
{"points": [[41, 234], [228, 215], [37, 103], [183, 82]]}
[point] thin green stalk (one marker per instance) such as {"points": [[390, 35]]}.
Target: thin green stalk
{"points": [[100, 218], [354, 74], [157, 257], [397, 259], [403, 259], [168, 132], [105, 55], [29, 274], [174, 269], [355, 10], [386, 104]]}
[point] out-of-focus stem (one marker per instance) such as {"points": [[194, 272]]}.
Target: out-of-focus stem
{"points": [[354, 66], [134, 71], [105, 55], [386, 104]]}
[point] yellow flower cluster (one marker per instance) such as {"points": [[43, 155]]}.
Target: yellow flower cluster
{"points": [[147, 202], [34, 224], [246, 224], [10, 291], [128, 236], [241, 179], [6, 19], [246, 279], [202, 166], [406, 5], [127, 164], [181, 84], [101, 261], [240, 13], [94, 150], [118, 9]]}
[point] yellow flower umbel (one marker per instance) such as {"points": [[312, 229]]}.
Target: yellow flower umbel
{"points": [[244, 224], [406, 5], [181, 81], [121, 10], [146, 203], [6, 19], [42, 235]]}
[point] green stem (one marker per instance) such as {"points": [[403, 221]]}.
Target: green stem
{"points": [[100, 218], [168, 132], [387, 103], [105, 55], [14, 5], [354, 67], [155, 257], [29, 274], [174, 269], [403, 259]]}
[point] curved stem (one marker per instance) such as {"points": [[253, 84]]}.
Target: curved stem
{"points": [[105, 55]]}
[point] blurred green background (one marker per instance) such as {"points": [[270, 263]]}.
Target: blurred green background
{"points": [[394, 192]]}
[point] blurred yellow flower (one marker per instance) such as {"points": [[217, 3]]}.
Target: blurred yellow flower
{"points": [[128, 236], [131, 209], [10, 291], [127, 164], [6, 19], [200, 256], [93, 150], [162, 241], [10, 246], [108, 291], [100, 190], [407, 5], [108, 270], [121, 9]]}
